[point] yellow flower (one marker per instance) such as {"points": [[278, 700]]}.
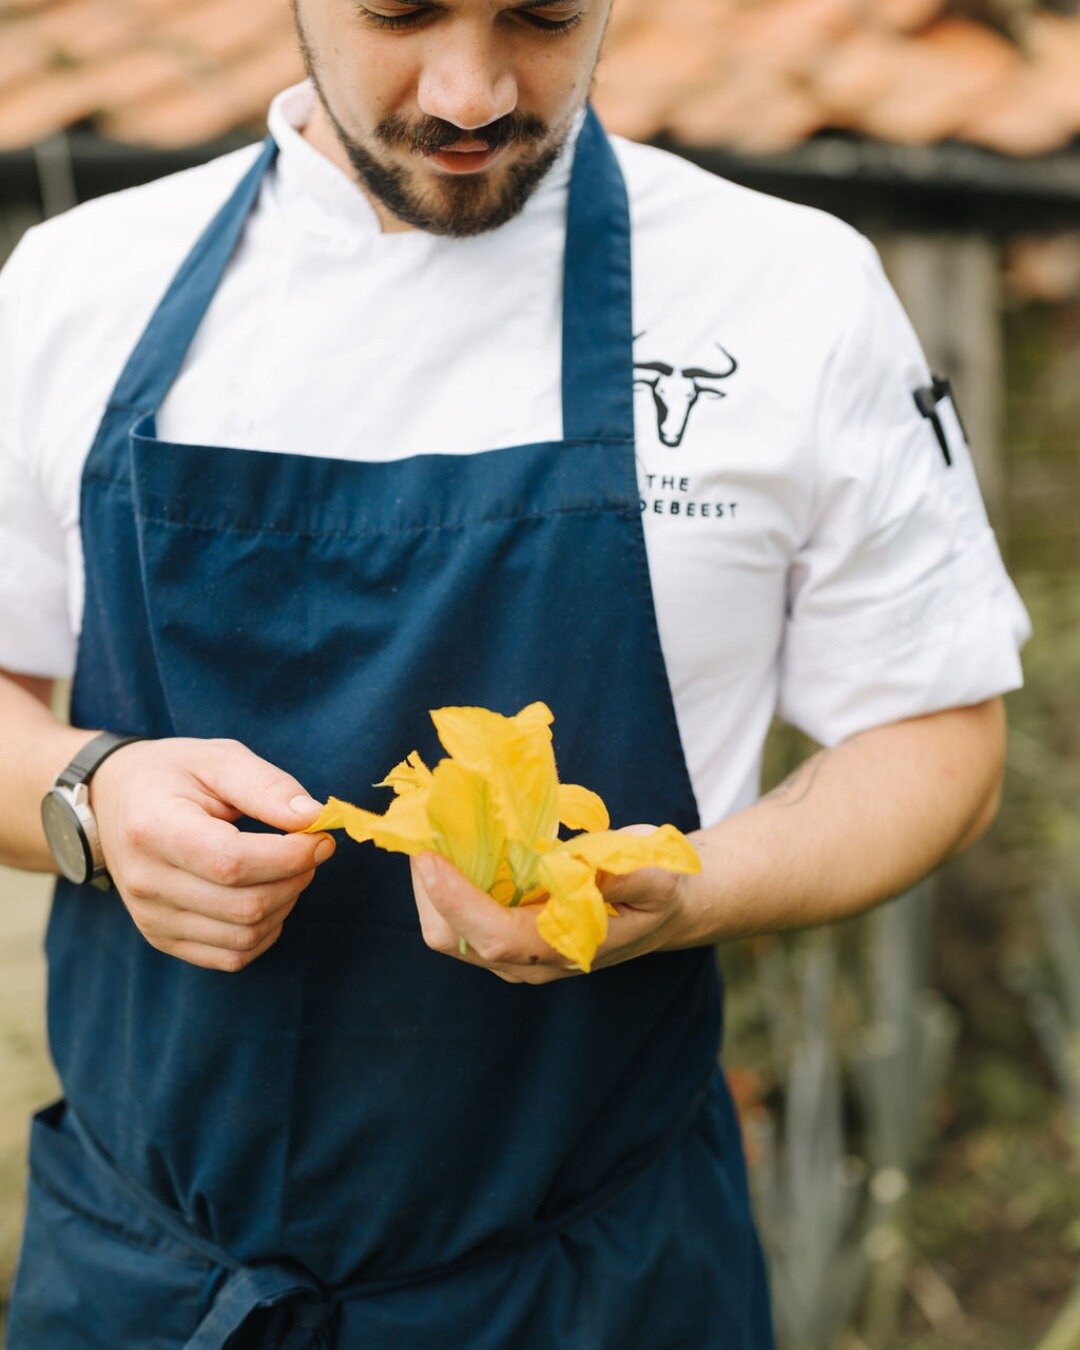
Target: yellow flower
{"points": [[449, 811], [493, 807]]}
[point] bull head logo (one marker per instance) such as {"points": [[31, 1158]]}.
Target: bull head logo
{"points": [[676, 390]]}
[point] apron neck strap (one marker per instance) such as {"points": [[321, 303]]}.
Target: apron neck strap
{"points": [[597, 329], [157, 357]]}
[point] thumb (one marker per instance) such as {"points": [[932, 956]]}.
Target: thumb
{"points": [[257, 788], [434, 872], [439, 881]]}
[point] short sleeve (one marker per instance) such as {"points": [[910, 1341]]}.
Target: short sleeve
{"points": [[898, 601], [35, 625]]}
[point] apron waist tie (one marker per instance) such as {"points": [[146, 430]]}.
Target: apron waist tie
{"points": [[312, 1308], [246, 1289], [250, 1288]]}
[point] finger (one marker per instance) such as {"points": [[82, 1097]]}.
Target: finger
{"points": [[216, 851], [646, 888], [187, 926], [535, 974], [217, 958], [182, 895], [256, 787], [498, 936], [632, 933], [440, 937], [437, 933]]}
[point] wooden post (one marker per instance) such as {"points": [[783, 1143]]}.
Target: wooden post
{"points": [[56, 185], [15, 220]]}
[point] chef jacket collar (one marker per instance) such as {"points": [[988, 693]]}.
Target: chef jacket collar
{"points": [[321, 203]]}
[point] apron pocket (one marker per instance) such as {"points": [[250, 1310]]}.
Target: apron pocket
{"points": [[94, 1272]]}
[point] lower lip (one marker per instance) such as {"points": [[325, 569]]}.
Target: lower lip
{"points": [[463, 161]]}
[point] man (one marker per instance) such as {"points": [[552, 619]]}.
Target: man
{"points": [[407, 428]]}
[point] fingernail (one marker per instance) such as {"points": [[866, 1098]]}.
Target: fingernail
{"points": [[426, 871], [305, 806], [324, 849]]}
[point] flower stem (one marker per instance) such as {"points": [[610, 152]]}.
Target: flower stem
{"points": [[518, 893]]}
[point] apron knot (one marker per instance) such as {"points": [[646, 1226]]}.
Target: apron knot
{"points": [[303, 1314]]}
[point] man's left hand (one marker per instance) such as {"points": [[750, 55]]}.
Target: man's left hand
{"points": [[505, 941]]}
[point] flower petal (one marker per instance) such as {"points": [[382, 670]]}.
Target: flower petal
{"points": [[574, 920], [522, 862], [403, 829], [618, 851], [516, 757], [411, 775], [331, 817], [503, 888], [463, 820], [580, 809]]}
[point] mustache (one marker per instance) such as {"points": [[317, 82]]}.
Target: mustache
{"points": [[433, 134]]}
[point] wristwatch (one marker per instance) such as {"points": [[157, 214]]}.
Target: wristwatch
{"points": [[70, 828]]}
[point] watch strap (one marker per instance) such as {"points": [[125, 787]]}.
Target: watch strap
{"points": [[91, 757]]}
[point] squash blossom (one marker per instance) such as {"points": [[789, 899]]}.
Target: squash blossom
{"points": [[493, 807]]}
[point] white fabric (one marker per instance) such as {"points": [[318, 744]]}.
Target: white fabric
{"points": [[809, 549]]}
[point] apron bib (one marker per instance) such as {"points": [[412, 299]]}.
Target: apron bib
{"points": [[369, 1142]]}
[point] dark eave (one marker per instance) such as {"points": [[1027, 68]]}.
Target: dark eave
{"points": [[949, 187], [99, 166]]}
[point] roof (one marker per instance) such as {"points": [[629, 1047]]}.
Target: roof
{"points": [[755, 76]]}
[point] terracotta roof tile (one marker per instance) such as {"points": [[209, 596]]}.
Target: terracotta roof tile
{"points": [[152, 8], [786, 35], [752, 110], [646, 68], [933, 81], [904, 16], [203, 109], [223, 29], [1019, 119], [23, 52], [757, 75], [81, 31], [1054, 44], [855, 73], [34, 108]]}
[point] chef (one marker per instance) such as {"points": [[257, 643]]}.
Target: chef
{"points": [[443, 396]]}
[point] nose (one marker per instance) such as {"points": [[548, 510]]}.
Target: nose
{"points": [[466, 80]]}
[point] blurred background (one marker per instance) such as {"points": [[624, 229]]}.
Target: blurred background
{"points": [[909, 1082]]}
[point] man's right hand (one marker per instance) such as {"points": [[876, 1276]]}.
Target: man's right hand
{"points": [[196, 886]]}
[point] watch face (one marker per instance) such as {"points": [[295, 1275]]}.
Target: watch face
{"points": [[65, 838]]}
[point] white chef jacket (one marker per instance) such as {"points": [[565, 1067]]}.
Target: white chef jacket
{"points": [[810, 550]]}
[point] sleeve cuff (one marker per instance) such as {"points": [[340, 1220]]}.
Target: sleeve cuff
{"points": [[35, 642], [954, 643]]}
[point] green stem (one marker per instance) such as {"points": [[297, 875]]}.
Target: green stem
{"points": [[463, 946], [517, 898]]}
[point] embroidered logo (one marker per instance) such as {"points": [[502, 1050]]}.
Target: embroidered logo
{"points": [[677, 389]]}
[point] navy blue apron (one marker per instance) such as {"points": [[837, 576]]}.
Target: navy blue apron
{"points": [[355, 1141]]}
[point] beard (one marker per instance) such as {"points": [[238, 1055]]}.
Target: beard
{"points": [[446, 204]]}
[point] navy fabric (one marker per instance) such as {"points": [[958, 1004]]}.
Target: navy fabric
{"points": [[366, 1143]]}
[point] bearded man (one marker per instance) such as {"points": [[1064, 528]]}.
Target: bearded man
{"points": [[442, 396]]}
